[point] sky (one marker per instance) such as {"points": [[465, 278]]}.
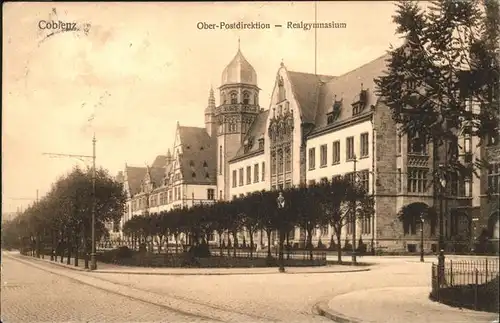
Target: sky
{"points": [[141, 67]]}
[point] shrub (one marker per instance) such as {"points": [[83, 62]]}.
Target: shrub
{"points": [[332, 245], [123, 252], [361, 246], [320, 244], [347, 245], [200, 251]]}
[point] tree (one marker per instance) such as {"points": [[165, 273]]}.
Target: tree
{"points": [[440, 83], [337, 207]]}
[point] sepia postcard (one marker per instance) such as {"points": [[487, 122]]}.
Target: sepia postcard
{"points": [[312, 161]]}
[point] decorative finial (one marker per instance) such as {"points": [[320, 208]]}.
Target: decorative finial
{"points": [[282, 64], [335, 97], [238, 43], [361, 86]]}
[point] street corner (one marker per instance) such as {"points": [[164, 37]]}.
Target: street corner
{"points": [[322, 308]]}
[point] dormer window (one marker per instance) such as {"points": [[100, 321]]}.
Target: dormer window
{"points": [[261, 143], [359, 106], [234, 98], [335, 112], [246, 98], [191, 163]]}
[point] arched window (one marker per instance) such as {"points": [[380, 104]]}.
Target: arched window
{"points": [[223, 97], [246, 98], [234, 98]]}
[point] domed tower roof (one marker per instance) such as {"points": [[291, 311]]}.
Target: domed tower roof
{"points": [[239, 70]]}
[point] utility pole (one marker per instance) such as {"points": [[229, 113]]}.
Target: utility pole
{"points": [[93, 262]]}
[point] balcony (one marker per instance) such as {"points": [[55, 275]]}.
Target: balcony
{"points": [[236, 108], [415, 160]]}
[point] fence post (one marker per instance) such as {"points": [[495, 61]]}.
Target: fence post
{"points": [[441, 260], [486, 272], [451, 272], [475, 288]]}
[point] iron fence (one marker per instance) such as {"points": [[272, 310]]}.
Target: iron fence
{"points": [[239, 253], [465, 282]]}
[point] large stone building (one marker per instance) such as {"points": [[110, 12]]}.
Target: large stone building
{"points": [[315, 127]]}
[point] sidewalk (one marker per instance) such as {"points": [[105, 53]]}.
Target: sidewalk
{"points": [[397, 304], [103, 268]]}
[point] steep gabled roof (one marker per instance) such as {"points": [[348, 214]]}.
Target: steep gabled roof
{"points": [[256, 131], [134, 176], [160, 161], [198, 159], [157, 175], [306, 89], [347, 88]]}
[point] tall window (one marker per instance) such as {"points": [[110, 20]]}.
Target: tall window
{"points": [[417, 180], [494, 178], [220, 160], [249, 174], [256, 173], [349, 152], [399, 181], [312, 158], [364, 145], [280, 161], [220, 195], [417, 145], [210, 194], [323, 151], [241, 176], [400, 146], [273, 163], [364, 179], [246, 98], [263, 171], [234, 178], [467, 145], [288, 159], [366, 225], [465, 187], [234, 98], [336, 152]]}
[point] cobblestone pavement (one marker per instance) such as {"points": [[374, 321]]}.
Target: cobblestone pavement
{"points": [[256, 298], [29, 294]]}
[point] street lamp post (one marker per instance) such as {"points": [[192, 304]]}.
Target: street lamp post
{"points": [[442, 191], [354, 260], [421, 237], [281, 205]]}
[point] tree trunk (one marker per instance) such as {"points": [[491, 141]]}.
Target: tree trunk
{"points": [[288, 245], [309, 242], [281, 242], [220, 244], [69, 245], [235, 239], [339, 249], [77, 250], [250, 232], [268, 233], [176, 243]]}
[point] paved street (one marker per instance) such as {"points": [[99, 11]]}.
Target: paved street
{"points": [[227, 298], [33, 295]]}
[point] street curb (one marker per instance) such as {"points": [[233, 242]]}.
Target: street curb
{"points": [[54, 263], [324, 310], [227, 274], [104, 271]]}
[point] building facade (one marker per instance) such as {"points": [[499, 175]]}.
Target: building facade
{"points": [[315, 127]]}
